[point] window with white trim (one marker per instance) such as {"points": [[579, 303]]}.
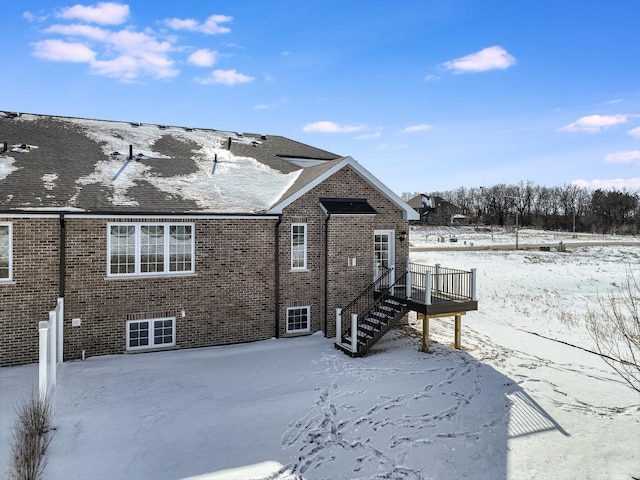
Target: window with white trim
{"points": [[151, 333], [6, 260], [298, 319], [298, 246], [150, 249]]}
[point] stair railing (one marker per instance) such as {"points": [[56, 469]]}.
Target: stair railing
{"points": [[350, 317]]}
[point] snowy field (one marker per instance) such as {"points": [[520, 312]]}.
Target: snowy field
{"points": [[513, 404], [457, 237]]}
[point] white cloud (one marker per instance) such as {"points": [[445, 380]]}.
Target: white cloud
{"points": [[612, 102], [139, 54], [268, 106], [594, 123], [103, 13], [634, 132], [61, 51], [32, 17], [490, 58], [369, 136], [226, 77], [331, 127], [211, 26], [130, 68], [630, 156], [417, 128], [431, 78], [76, 30], [617, 183], [203, 57], [125, 53]]}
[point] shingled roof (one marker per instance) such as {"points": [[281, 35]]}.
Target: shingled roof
{"points": [[72, 164]]}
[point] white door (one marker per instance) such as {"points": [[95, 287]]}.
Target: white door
{"points": [[383, 252]]}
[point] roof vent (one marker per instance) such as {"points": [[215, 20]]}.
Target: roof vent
{"points": [[22, 148], [263, 137], [240, 134], [3, 147], [135, 124], [11, 114], [255, 143], [114, 154], [188, 129], [162, 127]]}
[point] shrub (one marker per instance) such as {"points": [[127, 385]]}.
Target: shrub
{"points": [[615, 330], [30, 438]]}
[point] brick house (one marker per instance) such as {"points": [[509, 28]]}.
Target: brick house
{"points": [[435, 210], [168, 237]]}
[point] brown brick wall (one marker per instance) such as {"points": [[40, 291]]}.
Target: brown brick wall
{"points": [[348, 235], [229, 299], [28, 299]]}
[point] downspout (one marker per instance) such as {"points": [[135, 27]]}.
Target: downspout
{"points": [[326, 273], [63, 255], [277, 274]]}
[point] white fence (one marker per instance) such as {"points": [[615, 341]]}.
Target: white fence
{"points": [[51, 348]]}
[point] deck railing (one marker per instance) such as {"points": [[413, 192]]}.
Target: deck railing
{"points": [[434, 284]]}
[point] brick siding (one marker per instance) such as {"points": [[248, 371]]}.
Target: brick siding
{"points": [[349, 235], [229, 299]]}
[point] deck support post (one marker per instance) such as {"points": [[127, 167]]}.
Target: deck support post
{"points": [[473, 284], [338, 325], [354, 332], [425, 333], [458, 328]]}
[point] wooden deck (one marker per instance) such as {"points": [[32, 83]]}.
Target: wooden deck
{"points": [[432, 292], [441, 304]]}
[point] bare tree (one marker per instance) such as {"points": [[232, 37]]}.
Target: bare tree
{"points": [[616, 330]]}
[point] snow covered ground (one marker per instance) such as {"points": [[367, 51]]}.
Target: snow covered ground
{"points": [[513, 404], [457, 237]]}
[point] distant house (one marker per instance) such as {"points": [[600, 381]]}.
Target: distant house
{"points": [[161, 236], [435, 210]]}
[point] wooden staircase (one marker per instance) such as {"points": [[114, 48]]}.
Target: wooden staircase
{"points": [[431, 291], [373, 325], [372, 314]]}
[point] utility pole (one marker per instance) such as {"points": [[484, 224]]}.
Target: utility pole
{"points": [[517, 213]]}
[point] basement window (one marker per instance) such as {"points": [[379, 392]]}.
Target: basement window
{"points": [[150, 249], [5, 252], [298, 319], [151, 333]]}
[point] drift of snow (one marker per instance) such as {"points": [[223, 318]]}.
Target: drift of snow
{"points": [[513, 404], [6, 167], [239, 184]]}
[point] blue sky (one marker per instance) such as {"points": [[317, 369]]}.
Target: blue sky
{"points": [[428, 95]]}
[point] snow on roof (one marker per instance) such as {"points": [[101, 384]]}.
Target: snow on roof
{"points": [[6, 167], [107, 165], [233, 184]]}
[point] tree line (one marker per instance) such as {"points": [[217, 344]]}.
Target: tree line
{"points": [[566, 207]]}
